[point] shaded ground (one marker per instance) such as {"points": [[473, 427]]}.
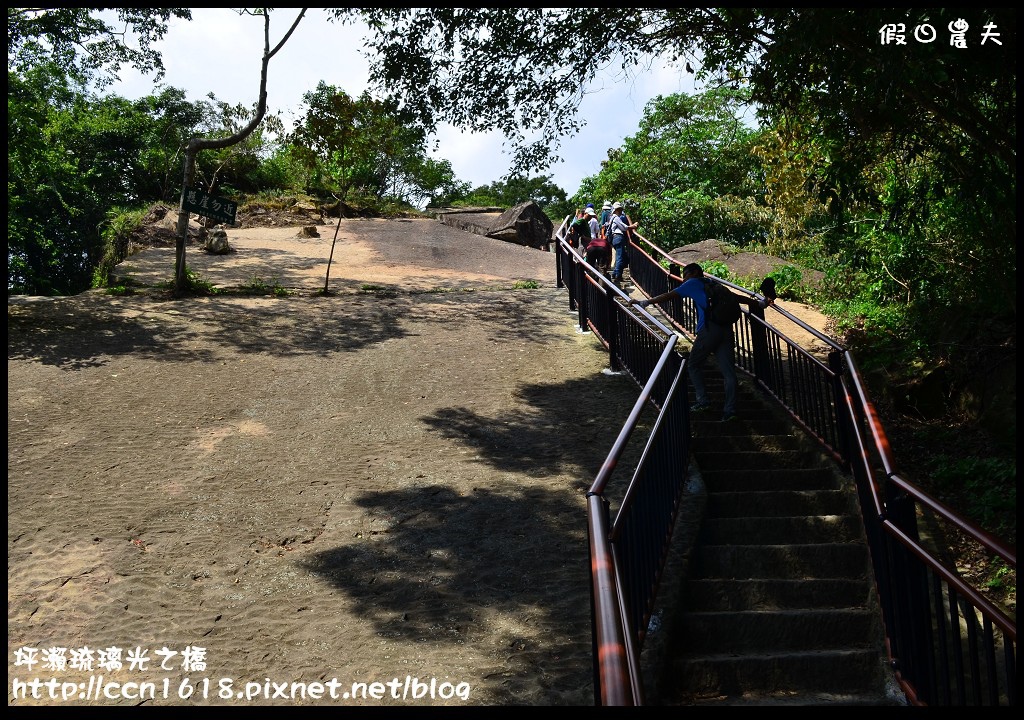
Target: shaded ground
{"points": [[380, 483]]}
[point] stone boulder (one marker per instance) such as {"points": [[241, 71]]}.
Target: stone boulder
{"points": [[525, 224], [217, 243]]}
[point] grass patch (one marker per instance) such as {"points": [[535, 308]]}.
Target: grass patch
{"points": [[194, 285], [120, 287], [258, 286]]}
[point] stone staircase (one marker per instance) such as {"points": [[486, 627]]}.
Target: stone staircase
{"points": [[776, 604]]}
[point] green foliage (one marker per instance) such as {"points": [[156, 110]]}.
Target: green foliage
{"points": [[83, 45], [367, 146], [116, 231], [57, 195], [1002, 578], [717, 268], [787, 281], [258, 286], [525, 285], [985, 486], [121, 289], [689, 173], [194, 285], [509, 193]]}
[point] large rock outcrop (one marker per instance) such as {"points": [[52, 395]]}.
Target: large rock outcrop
{"points": [[525, 224]]}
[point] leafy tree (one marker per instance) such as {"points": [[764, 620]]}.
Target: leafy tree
{"points": [[173, 120], [71, 157], [824, 67], [919, 138], [84, 46], [86, 49], [515, 190], [363, 144], [689, 171], [48, 203], [444, 189], [236, 168]]}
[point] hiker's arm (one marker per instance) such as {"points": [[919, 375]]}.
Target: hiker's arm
{"points": [[657, 299], [753, 302]]}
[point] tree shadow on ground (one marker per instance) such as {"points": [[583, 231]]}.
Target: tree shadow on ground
{"points": [[86, 330], [442, 566]]}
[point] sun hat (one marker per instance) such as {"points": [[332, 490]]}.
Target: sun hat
{"points": [[617, 206], [590, 212], [590, 205], [607, 205]]}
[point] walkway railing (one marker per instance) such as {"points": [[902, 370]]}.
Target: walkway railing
{"points": [[947, 643]]}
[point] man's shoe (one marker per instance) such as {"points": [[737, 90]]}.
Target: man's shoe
{"points": [[730, 417], [700, 407]]}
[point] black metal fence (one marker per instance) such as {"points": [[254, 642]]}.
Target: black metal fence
{"points": [[948, 644]]}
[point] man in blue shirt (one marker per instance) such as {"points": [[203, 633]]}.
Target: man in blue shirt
{"points": [[711, 338]]}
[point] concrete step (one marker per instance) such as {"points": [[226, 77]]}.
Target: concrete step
{"points": [[718, 594], [748, 441], [778, 605], [727, 678], [755, 632], [709, 424], [784, 562], [781, 530], [777, 503], [766, 479], [734, 459]]}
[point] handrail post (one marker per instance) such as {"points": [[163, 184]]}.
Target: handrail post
{"points": [[613, 332], [759, 346], [581, 301], [847, 446], [572, 283], [559, 281], [914, 640]]}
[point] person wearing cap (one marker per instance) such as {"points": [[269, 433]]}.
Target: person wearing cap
{"points": [[711, 339], [598, 252], [595, 226], [579, 230], [620, 227], [606, 213]]}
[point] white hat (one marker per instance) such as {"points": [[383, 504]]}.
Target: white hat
{"points": [[607, 205], [617, 206], [590, 212]]}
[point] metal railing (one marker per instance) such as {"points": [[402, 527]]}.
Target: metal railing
{"points": [[947, 643]]}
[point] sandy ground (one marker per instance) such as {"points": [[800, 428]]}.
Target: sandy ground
{"points": [[263, 495]]}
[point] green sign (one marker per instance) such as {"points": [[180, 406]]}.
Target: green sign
{"points": [[211, 206]]}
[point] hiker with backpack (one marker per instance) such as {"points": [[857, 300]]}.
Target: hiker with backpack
{"points": [[606, 215], [599, 252], [620, 227], [715, 318], [578, 233]]}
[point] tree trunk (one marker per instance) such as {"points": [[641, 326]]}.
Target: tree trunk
{"points": [[197, 144], [182, 227]]}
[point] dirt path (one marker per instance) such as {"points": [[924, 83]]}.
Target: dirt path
{"points": [[384, 483]]}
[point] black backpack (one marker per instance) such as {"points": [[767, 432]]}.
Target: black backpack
{"points": [[723, 305]]}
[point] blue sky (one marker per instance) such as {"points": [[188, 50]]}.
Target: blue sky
{"points": [[219, 52]]}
